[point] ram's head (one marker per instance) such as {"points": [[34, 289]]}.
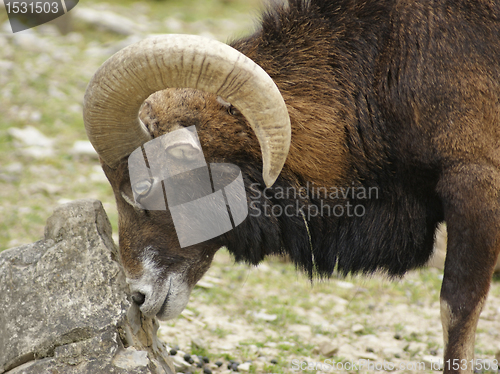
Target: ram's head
{"points": [[156, 87]]}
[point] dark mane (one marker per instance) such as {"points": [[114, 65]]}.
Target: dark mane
{"points": [[395, 233]]}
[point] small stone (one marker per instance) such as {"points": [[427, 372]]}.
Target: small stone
{"points": [[173, 352], [234, 366], [265, 317], [198, 343], [416, 347], [357, 328], [15, 167], [180, 364], [274, 361], [83, 148], [300, 330], [203, 284], [207, 371], [45, 188], [173, 24], [432, 362], [339, 309], [30, 137], [345, 285], [244, 367], [392, 351], [368, 356], [327, 349], [218, 363]]}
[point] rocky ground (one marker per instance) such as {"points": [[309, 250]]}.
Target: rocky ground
{"points": [[272, 314], [269, 319]]}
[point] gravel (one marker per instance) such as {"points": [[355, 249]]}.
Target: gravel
{"points": [[398, 321]]}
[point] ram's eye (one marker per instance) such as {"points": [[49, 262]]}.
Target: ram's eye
{"points": [[228, 106], [143, 187], [233, 111]]}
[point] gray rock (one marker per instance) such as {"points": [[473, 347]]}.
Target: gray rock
{"points": [[65, 306], [357, 328], [198, 343]]}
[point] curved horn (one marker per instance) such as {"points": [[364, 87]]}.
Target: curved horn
{"points": [[120, 86]]}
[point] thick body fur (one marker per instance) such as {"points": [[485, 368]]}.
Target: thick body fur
{"points": [[374, 89], [401, 97]]}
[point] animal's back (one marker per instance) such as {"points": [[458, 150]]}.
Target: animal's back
{"points": [[433, 68]]}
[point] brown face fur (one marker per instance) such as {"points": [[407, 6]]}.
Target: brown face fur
{"points": [[139, 236], [163, 112], [220, 126]]}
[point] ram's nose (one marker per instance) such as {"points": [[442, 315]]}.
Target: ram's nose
{"points": [[161, 298], [149, 299], [138, 298]]}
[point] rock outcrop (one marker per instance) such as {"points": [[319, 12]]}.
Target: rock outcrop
{"points": [[65, 307]]}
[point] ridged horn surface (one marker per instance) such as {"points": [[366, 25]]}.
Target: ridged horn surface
{"points": [[120, 86]]}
